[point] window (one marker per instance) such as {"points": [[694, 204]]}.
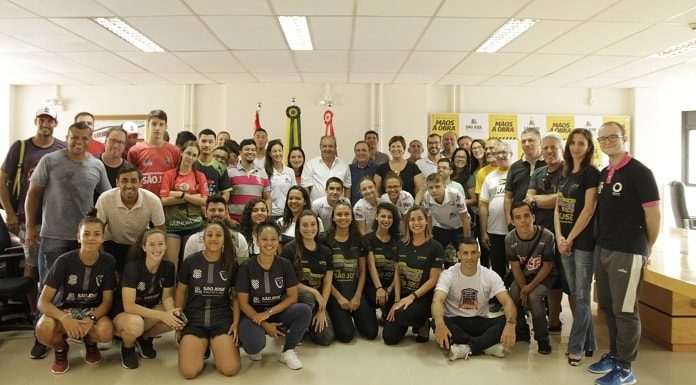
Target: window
{"points": [[689, 148]]}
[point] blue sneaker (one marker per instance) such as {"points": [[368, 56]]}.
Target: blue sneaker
{"points": [[618, 376], [605, 364]]}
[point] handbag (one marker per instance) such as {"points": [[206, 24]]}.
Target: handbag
{"points": [[14, 184]]}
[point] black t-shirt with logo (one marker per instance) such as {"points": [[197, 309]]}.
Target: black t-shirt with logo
{"points": [[545, 183], [208, 299], [385, 257], [346, 256], [80, 285], [532, 259], [148, 287], [571, 201], [415, 263], [315, 263], [265, 287]]}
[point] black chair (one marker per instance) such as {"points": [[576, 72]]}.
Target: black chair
{"points": [[678, 200], [15, 312]]}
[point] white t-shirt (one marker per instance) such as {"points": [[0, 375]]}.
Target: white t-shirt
{"points": [[315, 174], [281, 181], [290, 231], [403, 203], [195, 244], [322, 209], [468, 296], [493, 192], [446, 215], [426, 166], [364, 211], [124, 225]]}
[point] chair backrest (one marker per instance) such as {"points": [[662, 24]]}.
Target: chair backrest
{"points": [[678, 200]]}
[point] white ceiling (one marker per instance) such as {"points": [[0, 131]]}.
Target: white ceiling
{"points": [[577, 43]]}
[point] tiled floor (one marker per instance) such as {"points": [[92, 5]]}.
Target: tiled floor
{"points": [[359, 363]]}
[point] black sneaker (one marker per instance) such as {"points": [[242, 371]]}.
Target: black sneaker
{"points": [[38, 351], [145, 347], [544, 347], [129, 358]]}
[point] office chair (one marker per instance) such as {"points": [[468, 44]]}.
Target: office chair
{"points": [[15, 312], [679, 209]]}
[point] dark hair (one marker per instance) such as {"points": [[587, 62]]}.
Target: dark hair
{"points": [[468, 241], [463, 137], [518, 204], [370, 132], [354, 236], [232, 146], [91, 217], [246, 142], [617, 124], [586, 162], [408, 236], [229, 253], [398, 138], [116, 128], [126, 167], [435, 178], [299, 241], [449, 162], [304, 158], [287, 213], [268, 223], [392, 175], [246, 227], [395, 227], [361, 142], [84, 113], [215, 198], [261, 129], [223, 132], [333, 179], [475, 163], [462, 175], [80, 126], [190, 143], [207, 131], [268, 165], [183, 138], [136, 252], [157, 114]]}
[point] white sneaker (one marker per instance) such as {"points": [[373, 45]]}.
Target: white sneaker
{"points": [[255, 357], [289, 358], [105, 345], [497, 350], [459, 351]]}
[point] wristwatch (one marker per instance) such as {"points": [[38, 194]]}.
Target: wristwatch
{"points": [[270, 310], [93, 318], [511, 321]]}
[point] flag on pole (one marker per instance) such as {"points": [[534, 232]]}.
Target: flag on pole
{"points": [[328, 123], [257, 121], [293, 127]]}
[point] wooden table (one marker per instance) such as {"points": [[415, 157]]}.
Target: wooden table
{"points": [[668, 296]]}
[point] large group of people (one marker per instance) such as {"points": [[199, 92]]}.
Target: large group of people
{"points": [[227, 242]]}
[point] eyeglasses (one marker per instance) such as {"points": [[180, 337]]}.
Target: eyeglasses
{"points": [[116, 141], [610, 138]]}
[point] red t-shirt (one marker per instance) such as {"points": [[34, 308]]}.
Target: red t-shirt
{"points": [[194, 183], [95, 147], [152, 162]]}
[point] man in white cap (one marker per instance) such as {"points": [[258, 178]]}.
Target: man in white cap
{"points": [[21, 160], [133, 132]]}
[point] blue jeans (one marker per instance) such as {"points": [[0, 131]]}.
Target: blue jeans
{"points": [[296, 318], [578, 269], [49, 250]]}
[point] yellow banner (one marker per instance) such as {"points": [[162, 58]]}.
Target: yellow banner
{"points": [[560, 124], [443, 123], [503, 127]]}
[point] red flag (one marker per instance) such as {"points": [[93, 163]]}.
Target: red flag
{"points": [[257, 122], [328, 123]]}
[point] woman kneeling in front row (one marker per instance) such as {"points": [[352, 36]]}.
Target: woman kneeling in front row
{"points": [[267, 287], [85, 280]]}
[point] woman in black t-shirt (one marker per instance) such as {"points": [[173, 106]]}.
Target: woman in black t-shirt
{"points": [[382, 256], [417, 270], [349, 254], [205, 292], [267, 288], [314, 268], [577, 199], [410, 174], [82, 281], [147, 297]]}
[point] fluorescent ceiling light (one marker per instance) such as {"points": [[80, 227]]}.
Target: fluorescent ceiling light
{"points": [[677, 50], [505, 34], [121, 29], [296, 32]]}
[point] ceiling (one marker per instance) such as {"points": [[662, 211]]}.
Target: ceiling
{"points": [[576, 43]]}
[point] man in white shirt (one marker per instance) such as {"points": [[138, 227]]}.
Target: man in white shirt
{"points": [[318, 170], [323, 207], [460, 308], [428, 165], [216, 208]]}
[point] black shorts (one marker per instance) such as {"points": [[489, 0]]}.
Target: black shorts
{"points": [[207, 332]]}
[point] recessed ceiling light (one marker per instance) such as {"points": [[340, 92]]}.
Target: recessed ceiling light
{"points": [[296, 32], [505, 34], [121, 29], [677, 50]]}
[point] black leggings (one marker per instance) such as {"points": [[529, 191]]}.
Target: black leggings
{"points": [[417, 314], [364, 317]]}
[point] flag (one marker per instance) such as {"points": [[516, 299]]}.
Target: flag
{"points": [[257, 121], [293, 128], [328, 123]]}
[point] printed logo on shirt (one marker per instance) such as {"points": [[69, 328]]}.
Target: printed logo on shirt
{"points": [[72, 279], [599, 189], [468, 299], [533, 263], [147, 162], [223, 275], [184, 187], [161, 282], [255, 284], [197, 290], [70, 297], [279, 282], [197, 273], [99, 279], [616, 189], [141, 286]]}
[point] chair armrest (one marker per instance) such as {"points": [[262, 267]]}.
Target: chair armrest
{"points": [[11, 257], [13, 249]]}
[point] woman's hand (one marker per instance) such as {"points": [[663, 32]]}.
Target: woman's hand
{"points": [[71, 326], [260, 317], [343, 303], [234, 332], [355, 303], [404, 302], [171, 318], [319, 321], [381, 296], [320, 301], [271, 329]]}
